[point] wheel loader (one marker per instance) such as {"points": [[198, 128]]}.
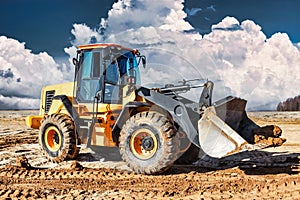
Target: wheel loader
{"points": [[106, 106]]}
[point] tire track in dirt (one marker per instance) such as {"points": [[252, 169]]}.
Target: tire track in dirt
{"points": [[21, 137], [39, 183], [258, 175]]}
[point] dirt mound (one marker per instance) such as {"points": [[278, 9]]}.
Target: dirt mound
{"points": [[76, 165], [23, 162], [268, 135]]}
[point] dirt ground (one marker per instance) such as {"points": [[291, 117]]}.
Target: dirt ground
{"points": [[272, 173]]}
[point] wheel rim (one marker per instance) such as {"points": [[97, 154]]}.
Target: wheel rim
{"points": [[143, 144], [52, 138]]}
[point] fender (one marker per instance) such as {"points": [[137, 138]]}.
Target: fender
{"points": [[175, 108], [68, 105], [124, 115]]}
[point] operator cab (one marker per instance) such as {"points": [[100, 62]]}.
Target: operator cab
{"points": [[102, 70]]}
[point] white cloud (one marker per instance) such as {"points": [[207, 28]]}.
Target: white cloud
{"points": [[298, 45], [28, 73], [18, 103], [134, 14], [237, 56], [263, 71], [175, 19], [83, 34]]}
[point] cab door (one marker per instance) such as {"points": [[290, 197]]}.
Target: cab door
{"points": [[88, 76], [111, 83], [98, 77]]}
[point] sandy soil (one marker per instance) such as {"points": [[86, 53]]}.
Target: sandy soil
{"points": [[272, 173]]}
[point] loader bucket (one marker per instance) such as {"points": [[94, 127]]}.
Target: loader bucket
{"points": [[225, 128]]}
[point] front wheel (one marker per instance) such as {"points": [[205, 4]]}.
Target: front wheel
{"points": [[148, 143], [57, 137]]}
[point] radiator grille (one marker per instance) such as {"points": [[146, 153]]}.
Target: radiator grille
{"points": [[48, 101]]}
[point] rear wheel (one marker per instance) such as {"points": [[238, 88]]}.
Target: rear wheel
{"points": [[57, 137], [148, 143]]}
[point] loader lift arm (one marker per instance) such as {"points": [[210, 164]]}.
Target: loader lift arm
{"points": [[184, 112], [218, 130]]}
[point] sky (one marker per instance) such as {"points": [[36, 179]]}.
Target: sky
{"points": [[272, 15], [46, 25], [249, 49]]}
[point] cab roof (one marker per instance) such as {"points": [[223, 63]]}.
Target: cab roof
{"points": [[102, 45]]}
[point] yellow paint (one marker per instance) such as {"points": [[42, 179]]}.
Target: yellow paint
{"points": [[102, 108], [33, 121], [136, 144], [128, 94], [60, 89], [56, 106], [100, 140]]}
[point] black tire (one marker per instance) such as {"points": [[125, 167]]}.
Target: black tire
{"points": [[148, 143], [190, 156], [58, 138]]}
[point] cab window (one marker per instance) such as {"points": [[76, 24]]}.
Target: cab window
{"points": [[112, 87], [89, 79]]}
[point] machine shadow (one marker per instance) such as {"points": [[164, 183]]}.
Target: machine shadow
{"points": [[102, 154], [256, 162]]}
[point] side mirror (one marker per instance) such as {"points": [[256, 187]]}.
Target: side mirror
{"points": [[144, 61], [75, 61]]}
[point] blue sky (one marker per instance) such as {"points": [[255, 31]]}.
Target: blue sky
{"points": [[272, 15], [46, 25]]}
